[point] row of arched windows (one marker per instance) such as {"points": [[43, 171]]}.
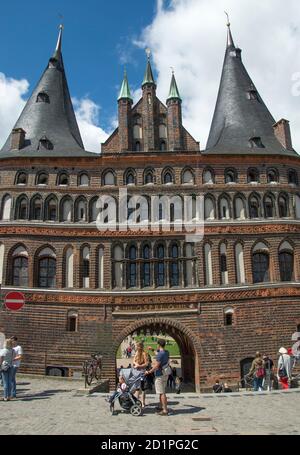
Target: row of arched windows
{"points": [[149, 177], [160, 266], [45, 268], [171, 265], [255, 206], [172, 209], [260, 261]]}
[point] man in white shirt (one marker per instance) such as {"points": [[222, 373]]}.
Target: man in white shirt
{"points": [[16, 364]]}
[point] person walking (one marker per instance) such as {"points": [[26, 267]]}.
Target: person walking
{"points": [[6, 364], [284, 368], [258, 371], [140, 363], [18, 353], [160, 370], [268, 379]]}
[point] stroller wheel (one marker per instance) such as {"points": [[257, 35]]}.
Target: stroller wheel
{"points": [[136, 410]]}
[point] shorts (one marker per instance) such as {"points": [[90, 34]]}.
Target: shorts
{"points": [[161, 384]]}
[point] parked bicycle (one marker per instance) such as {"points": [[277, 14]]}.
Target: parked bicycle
{"points": [[92, 369]]}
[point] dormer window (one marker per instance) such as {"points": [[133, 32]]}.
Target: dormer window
{"points": [[256, 142], [252, 94], [43, 98], [45, 144]]}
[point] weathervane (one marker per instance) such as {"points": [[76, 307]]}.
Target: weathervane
{"points": [[61, 25], [172, 69], [148, 53]]}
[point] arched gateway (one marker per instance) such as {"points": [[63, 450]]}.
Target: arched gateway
{"points": [[187, 341]]}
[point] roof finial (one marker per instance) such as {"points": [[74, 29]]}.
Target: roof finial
{"points": [[172, 69], [148, 53], [57, 52], [229, 36]]}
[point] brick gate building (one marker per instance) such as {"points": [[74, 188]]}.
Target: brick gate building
{"points": [[222, 298]]}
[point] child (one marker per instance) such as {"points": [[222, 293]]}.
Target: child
{"points": [[122, 387], [178, 382]]}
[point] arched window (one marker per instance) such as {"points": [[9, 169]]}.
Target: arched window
{"points": [[69, 268], [51, 209], [84, 180], [208, 265], [6, 207], [269, 207], [130, 177], [101, 267], [168, 177], [163, 146], [293, 177], [85, 267], [254, 207], [66, 209], [43, 98], [63, 179], [21, 178], [72, 321], [20, 270], [283, 206], [286, 265], [93, 210], [22, 209], [230, 176], [253, 176], [240, 264], [47, 272], [209, 208], [223, 264], [80, 210], [188, 177], [224, 209], [132, 267], [240, 211], [260, 267], [42, 179], [189, 266], [160, 266], [228, 316], [148, 177], [118, 258], [108, 178], [174, 266], [272, 176], [37, 208], [146, 267], [208, 177]]}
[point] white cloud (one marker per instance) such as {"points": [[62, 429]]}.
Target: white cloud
{"points": [[190, 35], [87, 114], [12, 102]]}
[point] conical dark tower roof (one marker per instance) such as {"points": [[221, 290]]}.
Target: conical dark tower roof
{"points": [[240, 114], [49, 115]]}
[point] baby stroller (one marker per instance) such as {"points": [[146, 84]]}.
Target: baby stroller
{"points": [[127, 400]]}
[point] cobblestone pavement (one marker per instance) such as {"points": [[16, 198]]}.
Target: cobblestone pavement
{"points": [[54, 407]]}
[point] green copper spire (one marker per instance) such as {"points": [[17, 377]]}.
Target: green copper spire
{"points": [[125, 89], [148, 78], [174, 92]]}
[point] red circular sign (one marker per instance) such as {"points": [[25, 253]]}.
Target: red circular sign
{"points": [[14, 301]]}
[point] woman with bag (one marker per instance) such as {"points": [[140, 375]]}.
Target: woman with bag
{"points": [[6, 363], [284, 368], [258, 370], [140, 363]]}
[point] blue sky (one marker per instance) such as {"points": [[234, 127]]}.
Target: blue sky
{"points": [[189, 35], [98, 35]]}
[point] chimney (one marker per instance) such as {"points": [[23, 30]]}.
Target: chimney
{"points": [[17, 139], [282, 132]]}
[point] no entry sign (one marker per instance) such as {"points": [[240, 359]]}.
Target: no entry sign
{"points": [[14, 301]]}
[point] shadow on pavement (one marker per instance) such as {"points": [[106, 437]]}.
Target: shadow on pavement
{"points": [[40, 395]]}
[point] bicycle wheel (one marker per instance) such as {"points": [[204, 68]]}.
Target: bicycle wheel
{"points": [[98, 373], [90, 374]]}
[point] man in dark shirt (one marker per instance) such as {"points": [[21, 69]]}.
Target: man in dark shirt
{"points": [[217, 388], [160, 370]]}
